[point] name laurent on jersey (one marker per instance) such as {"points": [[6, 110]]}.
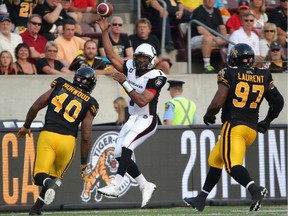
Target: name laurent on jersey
{"points": [[251, 78], [76, 92]]}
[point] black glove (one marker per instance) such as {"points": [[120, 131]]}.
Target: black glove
{"points": [[209, 119], [263, 126]]}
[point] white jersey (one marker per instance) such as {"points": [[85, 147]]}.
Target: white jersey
{"points": [[153, 80]]}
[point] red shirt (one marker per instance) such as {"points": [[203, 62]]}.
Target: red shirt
{"points": [[83, 3], [234, 22], [39, 43]]}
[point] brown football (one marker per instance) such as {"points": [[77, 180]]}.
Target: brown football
{"points": [[105, 9]]}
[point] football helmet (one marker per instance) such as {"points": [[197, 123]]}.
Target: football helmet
{"points": [[241, 55], [85, 78], [144, 50]]}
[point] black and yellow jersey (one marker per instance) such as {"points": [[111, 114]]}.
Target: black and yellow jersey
{"points": [[68, 107], [19, 13], [247, 88]]}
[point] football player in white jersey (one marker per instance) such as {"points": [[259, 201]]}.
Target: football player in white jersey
{"points": [[143, 84]]}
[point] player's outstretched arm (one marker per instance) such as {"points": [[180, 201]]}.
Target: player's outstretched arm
{"points": [[39, 104], [276, 103], [116, 61], [86, 136], [216, 104]]}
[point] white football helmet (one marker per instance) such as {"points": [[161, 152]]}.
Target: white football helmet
{"points": [[145, 50]]}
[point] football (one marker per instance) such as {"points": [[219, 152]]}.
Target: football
{"points": [[105, 9]]}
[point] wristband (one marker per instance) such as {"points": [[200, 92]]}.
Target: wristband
{"points": [[27, 126], [126, 85]]}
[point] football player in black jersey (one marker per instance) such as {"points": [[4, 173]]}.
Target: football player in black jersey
{"points": [[68, 104], [241, 89], [143, 84]]}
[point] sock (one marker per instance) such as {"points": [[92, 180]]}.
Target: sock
{"points": [[252, 188], [141, 180], [125, 161], [241, 175], [206, 62], [39, 178], [212, 178], [133, 170], [39, 203]]}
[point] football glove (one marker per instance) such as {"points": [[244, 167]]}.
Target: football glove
{"points": [[86, 170], [263, 126], [209, 119], [23, 131]]}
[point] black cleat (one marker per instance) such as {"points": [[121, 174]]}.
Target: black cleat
{"points": [[197, 203], [52, 186], [257, 198], [35, 211]]}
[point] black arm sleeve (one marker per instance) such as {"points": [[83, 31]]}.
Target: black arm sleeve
{"points": [[276, 102]]}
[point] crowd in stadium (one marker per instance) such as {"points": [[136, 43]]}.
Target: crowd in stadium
{"points": [[26, 27]]}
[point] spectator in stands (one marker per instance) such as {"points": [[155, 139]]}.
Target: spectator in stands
{"points": [[49, 64], [19, 13], [68, 44], [224, 12], [87, 9], [120, 42], [278, 16], [143, 35], [201, 37], [35, 41], [234, 22], [53, 15], [3, 10], [9, 40], [121, 107], [190, 6], [258, 8], [175, 15], [277, 61], [22, 65], [89, 58], [269, 34], [246, 35], [77, 16], [6, 62]]}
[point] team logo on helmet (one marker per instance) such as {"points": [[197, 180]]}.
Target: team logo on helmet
{"points": [[104, 168], [234, 53]]}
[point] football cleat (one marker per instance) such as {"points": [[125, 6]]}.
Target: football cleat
{"points": [[52, 186], [109, 190], [196, 203], [147, 191], [35, 211], [257, 198]]}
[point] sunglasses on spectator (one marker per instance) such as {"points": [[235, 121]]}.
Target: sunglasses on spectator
{"points": [[269, 31], [275, 50], [35, 23], [117, 24], [249, 20], [52, 51]]}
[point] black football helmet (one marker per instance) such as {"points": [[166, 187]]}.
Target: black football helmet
{"points": [[241, 55], [85, 78]]}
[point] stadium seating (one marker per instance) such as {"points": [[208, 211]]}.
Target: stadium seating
{"points": [[218, 57]]}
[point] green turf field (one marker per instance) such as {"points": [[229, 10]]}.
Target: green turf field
{"points": [[275, 210]]}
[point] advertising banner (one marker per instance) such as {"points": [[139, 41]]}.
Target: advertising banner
{"points": [[174, 158]]}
